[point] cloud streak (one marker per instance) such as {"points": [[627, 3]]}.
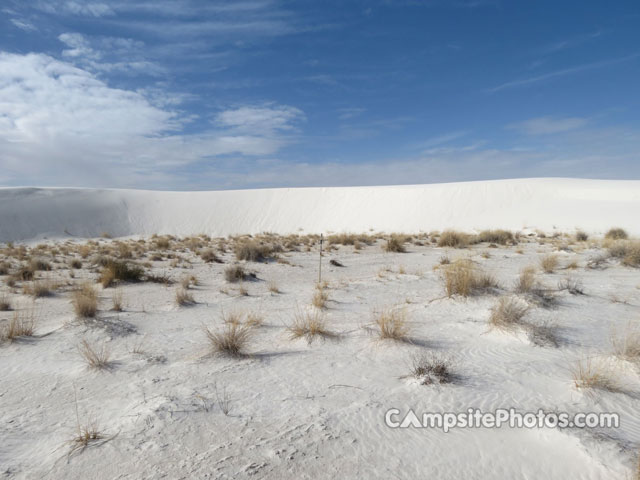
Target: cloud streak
{"points": [[561, 73]]}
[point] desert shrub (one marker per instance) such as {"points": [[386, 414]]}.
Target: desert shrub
{"points": [[392, 324], [115, 270], [40, 288], [463, 278], [581, 236], [273, 286], [24, 273], [502, 237], [571, 285], [4, 268], [598, 374], [97, 358], [75, 263], [350, 239], [231, 339], [451, 238], [320, 297], [543, 334], [526, 281], [234, 273], [5, 304], [184, 297], [40, 264], [85, 301], [507, 313], [209, 256], [616, 234], [309, 325], [626, 344], [22, 324], [549, 263], [162, 243], [395, 243], [117, 300], [631, 256], [253, 251], [431, 368]]}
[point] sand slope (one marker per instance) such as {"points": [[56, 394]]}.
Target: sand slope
{"points": [[565, 204]]}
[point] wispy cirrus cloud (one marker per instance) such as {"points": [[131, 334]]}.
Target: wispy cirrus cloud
{"points": [[561, 73], [549, 125]]}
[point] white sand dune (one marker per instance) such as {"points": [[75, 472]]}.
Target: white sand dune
{"points": [[552, 203]]}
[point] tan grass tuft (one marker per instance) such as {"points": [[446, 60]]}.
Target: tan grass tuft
{"points": [[309, 325], [97, 358], [392, 324], [85, 301], [231, 339], [463, 278]]}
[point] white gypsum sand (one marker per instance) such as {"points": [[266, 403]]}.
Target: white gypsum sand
{"points": [[165, 404], [547, 204]]}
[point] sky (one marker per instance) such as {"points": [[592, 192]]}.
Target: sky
{"points": [[209, 94]]}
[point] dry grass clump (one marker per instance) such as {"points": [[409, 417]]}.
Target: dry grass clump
{"points": [[85, 436], [527, 280], [616, 234], [253, 251], [392, 324], [463, 278], [120, 271], [628, 251], [309, 325], [507, 313], [117, 300], [184, 297], [581, 236], [40, 288], [97, 358], [209, 256], [350, 239], [590, 374], [501, 237], [320, 297], [85, 301], [24, 273], [452, 238], [234, 273], [40, 264], [4, 268], [431, 368], [22, 324], [5, 304], [543, 335], [571, 285], [395, 244], [273, 286], [231, 339], [626, 344], [75, 264], [549, 263]]}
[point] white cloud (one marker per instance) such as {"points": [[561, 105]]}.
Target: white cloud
{"points": [[23, 25], [267, 118], [549, 125], [60, 124], [80, 8]]}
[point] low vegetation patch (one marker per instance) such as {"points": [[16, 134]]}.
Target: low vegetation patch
{"points": [[234, 274], [452, 238], [501, 237], [22, 324], [395, 244], [96, 357], [184, 297], [309, 325], [231, 339], [392, 324], [508, 313], [463, 278], [549, 263], [616, 234], [596, 374], [253, 251], [431, 368], [85, 301], [627, 251], [320, 297], [626, 344], [120, 271]]}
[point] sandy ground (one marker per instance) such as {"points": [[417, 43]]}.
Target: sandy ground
{"points": [[299, 410]]}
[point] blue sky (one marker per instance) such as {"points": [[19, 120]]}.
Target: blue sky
{"points": [[193, 95]]}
